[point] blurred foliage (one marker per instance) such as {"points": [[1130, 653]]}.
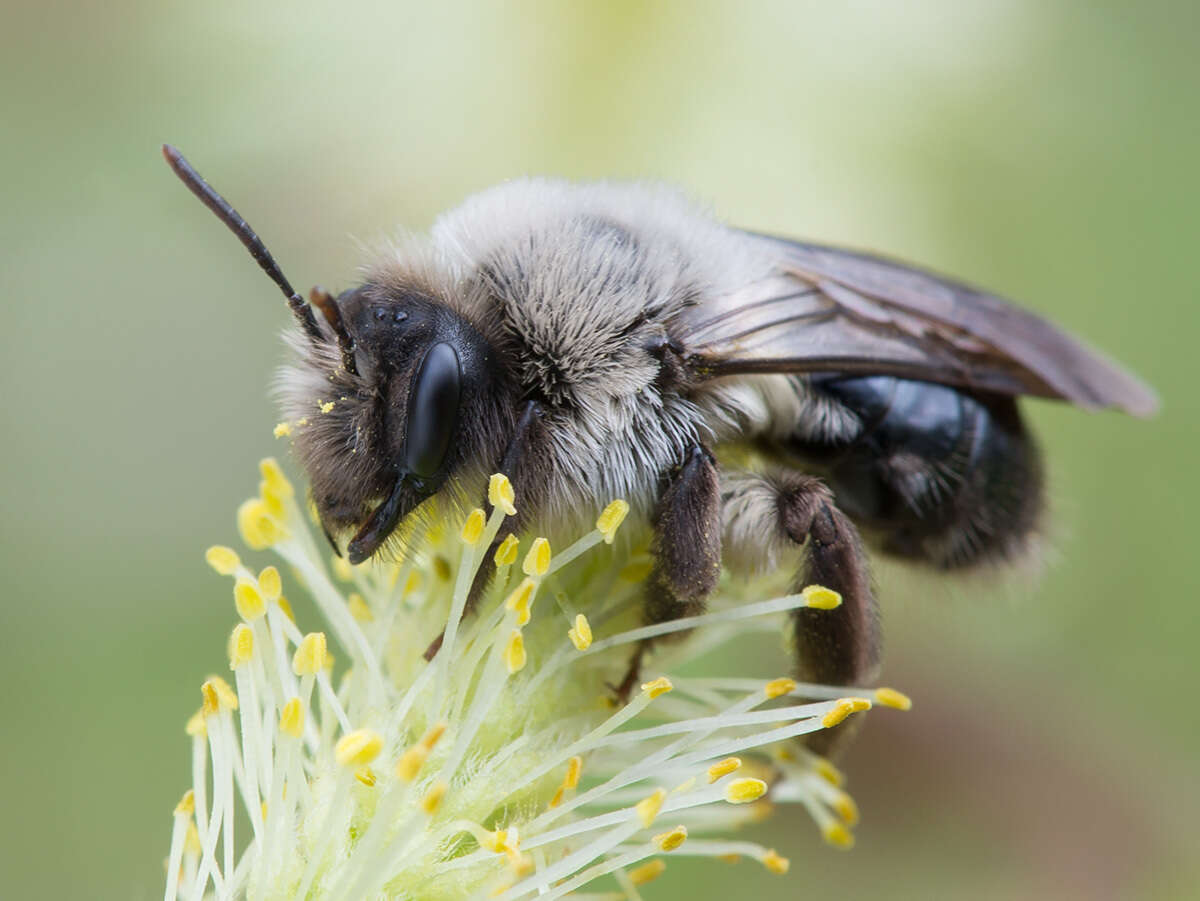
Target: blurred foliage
{"points": [[1045, 150]]}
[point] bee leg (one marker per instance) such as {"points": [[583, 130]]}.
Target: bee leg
{"points": [[519, 463], [686, 549], [840, 646]]}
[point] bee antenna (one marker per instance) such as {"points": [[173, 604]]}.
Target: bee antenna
{"points": [[236, 224], [325, 302]]}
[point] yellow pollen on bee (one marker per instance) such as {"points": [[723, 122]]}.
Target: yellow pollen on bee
{"points": [[723, 768], [818, 597], [302, 421], [326, 406], [282, 430], [217, 696], [433, 797], [223, 559], [611, 518], [310, 655], [743, 791], [776, 862], [248, 600], [889, 697], [500, 494], [358, 748], [669, 841], [656, 687], [837, 835], [472, 529], [647, 872], [581, 633], [537, 561], [514, 652], [187, 804], [359, 608], [648, 808], [291, 718], [506, 553], [777, 688], [241, 645], [270, 584], [258, 528], [366, 776], [195, 725], [520, 600]]}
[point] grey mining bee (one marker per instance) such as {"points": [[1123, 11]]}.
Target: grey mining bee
{"points": [[611, 340]]}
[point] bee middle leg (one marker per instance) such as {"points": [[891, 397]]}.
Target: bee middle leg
{"points": [[686, 549], [767, 517]]}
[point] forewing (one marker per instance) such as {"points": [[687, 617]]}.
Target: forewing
{"points": [[827, 309]]}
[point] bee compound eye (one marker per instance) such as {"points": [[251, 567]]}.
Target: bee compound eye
{"points": [[432, 411]]}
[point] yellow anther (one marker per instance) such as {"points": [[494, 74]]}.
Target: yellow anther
{"points": [[187, 804], [648, 871], [272, 474], [430, 738], [358, 748], [248, 600], [326, 406], [359, 608], [842, 709], [310, 655], [433, 797], [286, 606], [637, 571], [514, 652], [366, 776], [520, 599], [819, 597], [342, 569], [889, 697], [441, 568], [610, 520], [843, 805], [500, 494], [723, 768], [258, 528], [537, 561], [223, 559], [574, 770], [581, 633], [506, 553], [195, 725], [291, 718], [191, 841], [648, 808], [410, 763], [522, 864], [669, 841], [743, 791], [860, 704], [776, 862], [656, 687], [777, 688], [829, 772], [837, 834], [241, 645], [282, 429], [685, 786], [217, 695], [270, 585], [495, 841], [559, 794], [472, 529]]}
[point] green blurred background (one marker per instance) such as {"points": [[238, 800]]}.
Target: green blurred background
{"points": [[1048, 151]]}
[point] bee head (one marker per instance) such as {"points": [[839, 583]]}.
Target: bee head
{"points": [[392, 394], [397, 396]]}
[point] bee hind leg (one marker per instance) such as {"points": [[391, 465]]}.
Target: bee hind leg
{"points": [[686, 550], [833, 647]]}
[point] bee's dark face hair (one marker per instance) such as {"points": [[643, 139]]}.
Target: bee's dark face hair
{"points": [[413, 385]]}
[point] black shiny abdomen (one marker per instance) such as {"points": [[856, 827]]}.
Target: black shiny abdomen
{"points": [[933, 473]]}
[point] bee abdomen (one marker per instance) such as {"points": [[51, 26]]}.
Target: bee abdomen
{"points": [[934, 473]]}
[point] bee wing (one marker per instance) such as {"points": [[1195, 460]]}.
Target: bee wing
{"points": [[827, 309]]}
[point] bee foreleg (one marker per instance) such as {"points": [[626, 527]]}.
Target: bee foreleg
{"points": [[686, 549]]}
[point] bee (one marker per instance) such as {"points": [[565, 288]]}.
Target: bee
{"points": [[760, 402]]}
